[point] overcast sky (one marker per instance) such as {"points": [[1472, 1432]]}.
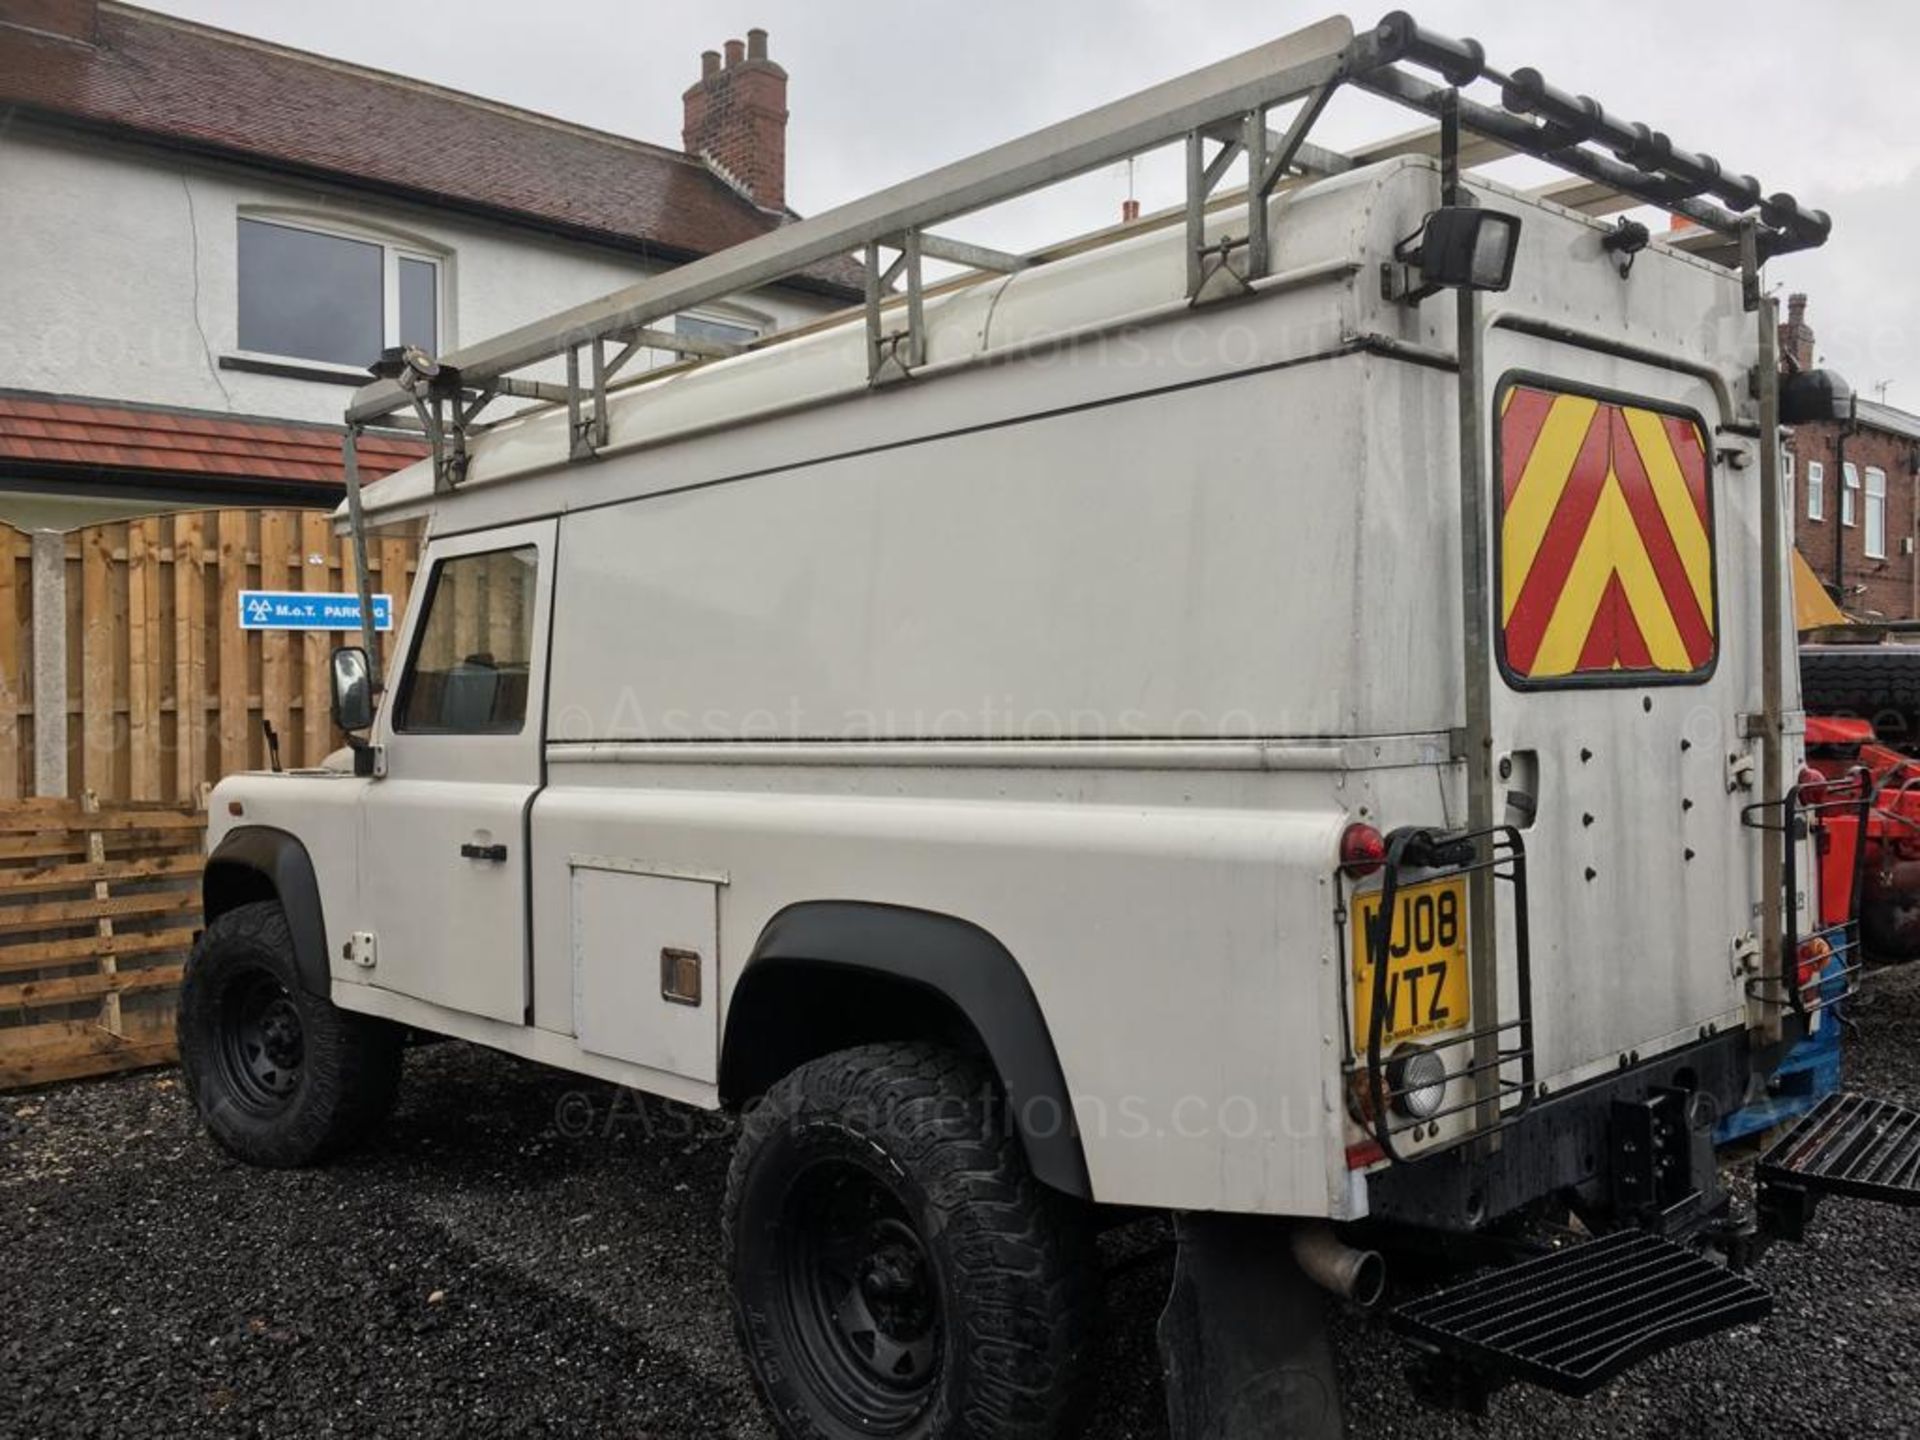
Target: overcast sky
{"points": [[1815, 98]]}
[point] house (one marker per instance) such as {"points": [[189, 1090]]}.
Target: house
{"points": [[207, 239], [1855, 490]]}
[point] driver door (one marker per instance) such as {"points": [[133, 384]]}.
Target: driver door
{"points": [[444, 842]]}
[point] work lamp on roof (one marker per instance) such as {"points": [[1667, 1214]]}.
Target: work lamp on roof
{"points": [[1460, 247]]}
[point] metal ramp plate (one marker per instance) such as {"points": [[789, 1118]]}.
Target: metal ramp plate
{"points": [[1850, 1145], [1573, 1320]]}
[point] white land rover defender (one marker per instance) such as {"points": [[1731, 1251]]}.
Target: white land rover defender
{"points": [[1278, 714]]}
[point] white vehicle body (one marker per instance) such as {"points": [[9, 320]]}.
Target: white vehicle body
{"points": [[1094, 636]]}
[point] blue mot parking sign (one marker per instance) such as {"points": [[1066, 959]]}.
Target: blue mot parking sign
{"points": [[309, 610]]}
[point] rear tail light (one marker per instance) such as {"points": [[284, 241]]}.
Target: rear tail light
{"points": [[1815, 953], [1363, 850]]}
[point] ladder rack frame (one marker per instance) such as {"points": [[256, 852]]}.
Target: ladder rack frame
{"points": [[1220, 112]]}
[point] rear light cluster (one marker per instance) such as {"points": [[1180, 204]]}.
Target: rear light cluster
{"points": [[1363, 850]]}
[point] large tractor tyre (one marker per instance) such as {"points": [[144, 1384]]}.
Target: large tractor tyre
{"points": [[1890, 926], [280, 1076], [896, 1269], [1879, 683]]}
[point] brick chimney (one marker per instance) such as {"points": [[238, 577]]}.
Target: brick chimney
{"points": [[1796, 336], [69, 19], [736, 118]]}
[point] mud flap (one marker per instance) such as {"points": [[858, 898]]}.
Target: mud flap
{"points": [[1243, 1339]]}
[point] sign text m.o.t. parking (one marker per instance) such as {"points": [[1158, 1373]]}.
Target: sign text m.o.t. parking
{"points": [[309, 610]]}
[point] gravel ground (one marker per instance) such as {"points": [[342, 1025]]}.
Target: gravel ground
{"points": [[487, 1268]]}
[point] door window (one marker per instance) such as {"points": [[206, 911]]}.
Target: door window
{"points": [[469, 669], [1606, 541]]}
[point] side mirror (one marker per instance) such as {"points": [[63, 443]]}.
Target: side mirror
{"points": [[352, 689], [1462, 247]]}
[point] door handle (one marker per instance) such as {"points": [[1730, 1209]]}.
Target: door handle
{"points": [[470, 851]]}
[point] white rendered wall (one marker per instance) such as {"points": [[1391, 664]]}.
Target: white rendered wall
{"points": [[119, 273]]}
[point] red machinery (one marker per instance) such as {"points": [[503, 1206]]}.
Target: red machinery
{"points": [[1842, 756]]}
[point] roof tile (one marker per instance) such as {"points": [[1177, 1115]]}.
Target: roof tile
{"points": [[185, 444]]}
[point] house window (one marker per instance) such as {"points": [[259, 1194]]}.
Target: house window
{"points": [[1786, 483], [705, 327], [339, 299], [1816, 490], [1876, 536], [1849, 494]]}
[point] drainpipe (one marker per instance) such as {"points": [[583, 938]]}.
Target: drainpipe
{"points": [[1913, 539], [1840, 515]]}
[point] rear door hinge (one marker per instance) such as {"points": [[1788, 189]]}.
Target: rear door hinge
{"points": [[1739, 772]]}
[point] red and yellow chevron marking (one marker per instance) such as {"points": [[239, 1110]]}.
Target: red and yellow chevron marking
{"points": [[1606, 556]]}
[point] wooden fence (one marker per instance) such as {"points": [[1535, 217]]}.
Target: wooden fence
{"points": [[97, 912], [133, 630], [135, 626]]}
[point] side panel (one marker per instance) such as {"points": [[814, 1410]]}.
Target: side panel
{"points": [[1176, 926], [1211, 563], [646, 971]]}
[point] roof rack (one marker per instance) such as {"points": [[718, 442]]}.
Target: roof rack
{"points": [[1220, 111]]}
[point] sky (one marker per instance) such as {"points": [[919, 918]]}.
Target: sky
{"points": [[1815, 99]]}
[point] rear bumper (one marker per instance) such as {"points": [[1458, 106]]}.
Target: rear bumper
{"points": [[1563, 1143]]}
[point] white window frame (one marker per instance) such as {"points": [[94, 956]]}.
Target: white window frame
{"points": [[1875, 539], [1849, 494], [393, 249], [757, 324], [1786, 485], [1816, 490]]}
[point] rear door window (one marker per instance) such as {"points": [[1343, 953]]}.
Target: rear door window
{"points": [[1605, 557]]}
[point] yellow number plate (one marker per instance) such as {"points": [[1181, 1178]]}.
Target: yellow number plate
{"points": [[1426, 961]]}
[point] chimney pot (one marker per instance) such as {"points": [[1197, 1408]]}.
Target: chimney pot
{"points": [[736, 52], [709, 64], [756, 44]]}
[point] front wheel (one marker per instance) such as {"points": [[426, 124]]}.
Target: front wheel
{"points": [[280, 1076], [896, 1269]]}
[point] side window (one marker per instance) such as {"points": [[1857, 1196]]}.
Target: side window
{"points": [[1849, 493], [1606, 566], [1786, 485], [1816, 490], [468, 672]]}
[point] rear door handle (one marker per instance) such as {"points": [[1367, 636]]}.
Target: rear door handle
{"points": [[470, 851]]}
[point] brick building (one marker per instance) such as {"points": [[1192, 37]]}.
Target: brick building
{"points": [[1856, 495]]}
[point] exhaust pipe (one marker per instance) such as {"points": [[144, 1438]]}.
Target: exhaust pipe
{"points": [[1356, 1275]]}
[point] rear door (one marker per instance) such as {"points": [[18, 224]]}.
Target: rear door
{"points": [[444, 843], [1625, 661]]}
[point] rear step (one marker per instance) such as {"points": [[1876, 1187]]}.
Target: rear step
{"points": [[1573, 1320], [1850, 1145]]}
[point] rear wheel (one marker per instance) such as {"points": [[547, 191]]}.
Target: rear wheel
{"points": [[896, 1269], [280, 1076]]}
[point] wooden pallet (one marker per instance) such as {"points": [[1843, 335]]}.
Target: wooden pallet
{"points": [[98, 908]]}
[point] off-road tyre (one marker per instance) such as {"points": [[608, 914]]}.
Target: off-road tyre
{"points": [[887, 1175], [1880, 683], [281, 1077]]}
